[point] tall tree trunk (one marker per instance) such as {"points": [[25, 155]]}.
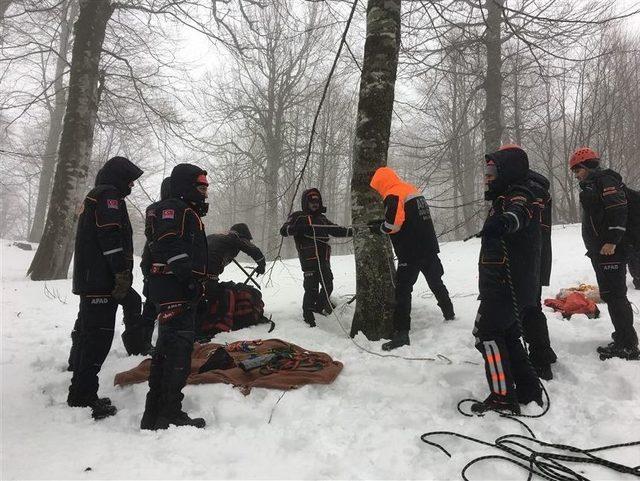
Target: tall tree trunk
{"points": [[4, 5], [374, 264], [493, 81], [56, 248], [56, 116]]}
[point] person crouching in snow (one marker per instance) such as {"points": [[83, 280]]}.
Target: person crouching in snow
{"points": [[604, 224], [311, 229], [508, 282], [408, 221]]}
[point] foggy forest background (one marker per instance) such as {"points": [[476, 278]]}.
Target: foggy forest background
{"points": [[233, 86]]}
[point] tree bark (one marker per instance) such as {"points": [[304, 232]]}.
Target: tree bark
{"points": [[493, 81], [56, 248], [4, 5], [56, 116], [374, 263]]}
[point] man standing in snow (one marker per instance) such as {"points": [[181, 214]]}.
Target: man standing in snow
{"points": [[149, 311], [408, 221], [604, 224], [534, 323], [508, 282], [311, 229], [102, 277], [178, 255]]}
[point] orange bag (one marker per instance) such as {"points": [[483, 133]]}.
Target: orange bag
{"points": [[574, 303]]}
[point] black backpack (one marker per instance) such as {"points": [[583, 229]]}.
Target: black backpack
{"points": [[633, 217]]}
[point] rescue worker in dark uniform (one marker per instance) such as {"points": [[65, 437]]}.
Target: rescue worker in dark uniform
{"points": [[102, 277], [534, 322], [509, 271], [311, 229], [149, 312], [407, 220], [224, 248], [604, 224], [178, 253]]}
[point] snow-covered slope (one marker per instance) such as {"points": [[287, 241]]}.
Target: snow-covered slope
{"points": [[365, 425]]}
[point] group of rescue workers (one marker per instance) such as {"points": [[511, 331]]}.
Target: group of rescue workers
{"points": [[178, 258]]}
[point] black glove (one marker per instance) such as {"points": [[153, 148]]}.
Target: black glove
{"points": [[495, 226], [195, 290], [262, 265], [123, 281], [374, 226]]}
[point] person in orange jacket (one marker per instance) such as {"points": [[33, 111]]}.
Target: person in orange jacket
{"points": [[407, 220]]}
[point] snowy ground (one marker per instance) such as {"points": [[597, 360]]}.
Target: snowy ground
{"points": [[366, 425]]}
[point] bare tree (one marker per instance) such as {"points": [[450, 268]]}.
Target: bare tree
{"points": [[56, 248], [374, 264]]}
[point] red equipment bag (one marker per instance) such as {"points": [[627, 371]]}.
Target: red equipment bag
{"points": [[230, 307]]}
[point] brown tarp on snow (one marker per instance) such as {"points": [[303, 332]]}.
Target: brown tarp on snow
{"points": [[280, 379]]}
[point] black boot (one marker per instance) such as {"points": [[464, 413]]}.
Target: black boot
{"points": [[399, 338], [100, 407], [181, 419], [496, 402], [309, 318], [615, 350]]}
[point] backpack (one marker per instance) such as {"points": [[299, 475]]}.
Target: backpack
{"points": [[230, 307], [633, 218]]}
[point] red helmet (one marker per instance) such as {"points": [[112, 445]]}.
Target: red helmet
{"points": [[582, 155], [510, 146]]}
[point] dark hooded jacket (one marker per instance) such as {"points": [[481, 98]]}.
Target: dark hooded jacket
{"points": [[539, 185], [176, 238], [223, 248], [305, 226], [104, 244], [165, 193], [518, 257], [604, 209]]}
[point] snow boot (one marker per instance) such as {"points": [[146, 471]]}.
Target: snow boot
{"points": [[496, 402], [309, 318], [399, 338], [100, 407], [526, 398], [181, 419], [100, 410], [614, 350], [544, 371]]}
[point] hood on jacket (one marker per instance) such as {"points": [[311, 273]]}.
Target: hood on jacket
{"points": [[539, 179], [599, 172], [512, 166], [118, 172], [384, 179], [242, 230], [185, 179], [306, 195], [165, 188]]}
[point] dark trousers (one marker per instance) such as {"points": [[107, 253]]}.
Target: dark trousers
{"points": [[94, 334], [536, 335], [634, 266], [406, 277], [138, 329], [611, 273], [318, 279], [171, 362], [507, 367]]}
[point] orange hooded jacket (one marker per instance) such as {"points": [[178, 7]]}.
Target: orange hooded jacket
{"points": [[386, 182]]}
